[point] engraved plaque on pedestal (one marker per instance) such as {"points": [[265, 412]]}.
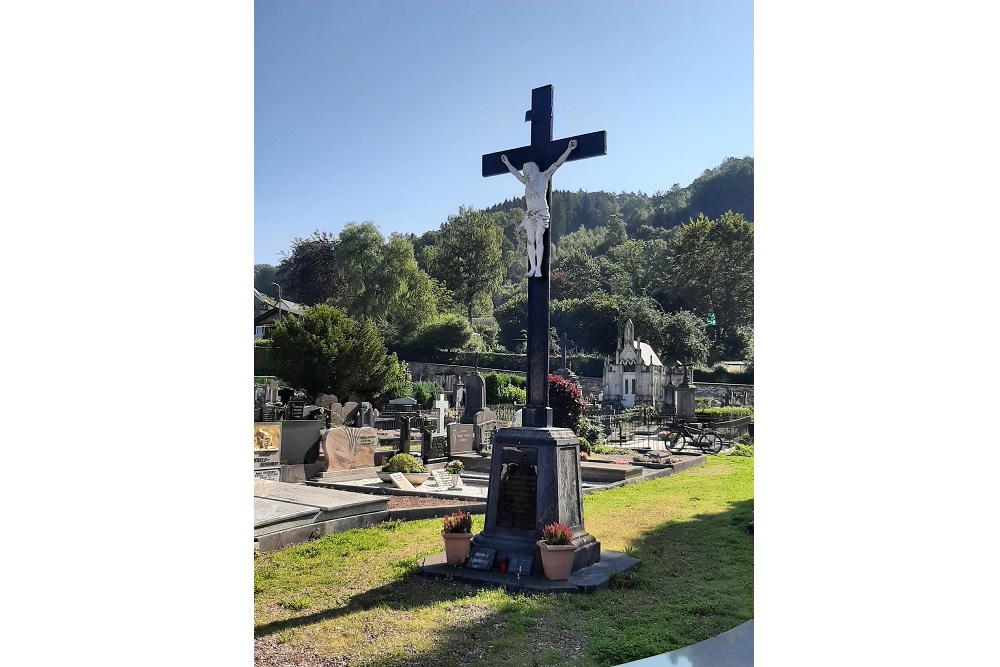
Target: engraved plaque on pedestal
{"points": [[518, 489]]}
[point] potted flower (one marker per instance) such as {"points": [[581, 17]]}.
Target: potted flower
{"points": [[557, 551], [407, 464], [455, 468], [457, 533]]}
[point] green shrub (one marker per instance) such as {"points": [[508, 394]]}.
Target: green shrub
{"points": [[584, 445], [592, 430], [512, 394], [742, 450], [403, 463], [722, 414], [501, 388], [425, 393]]}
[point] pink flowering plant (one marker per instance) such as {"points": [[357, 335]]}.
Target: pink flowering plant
{"points": [[460, 522], [557, 533]]}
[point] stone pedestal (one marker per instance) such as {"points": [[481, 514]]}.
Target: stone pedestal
{"points": [[684, 399], [535, 481]]}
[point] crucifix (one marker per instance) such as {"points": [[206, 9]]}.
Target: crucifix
{"points": [[539, 160]]}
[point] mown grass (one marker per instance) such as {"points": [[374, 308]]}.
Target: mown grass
{"points": [[358, 596]]}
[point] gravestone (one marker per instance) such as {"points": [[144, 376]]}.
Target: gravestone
{"points": [[486, 425], [347, 448], [461, 438], [441, 478], [475, 397], [440, 407], [536, 464], [684, 397], [266, 451], [433, 447], [399, 479]]}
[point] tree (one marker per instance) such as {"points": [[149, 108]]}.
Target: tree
{"points": [[263, 277], [445, 332], [469, 257], [578, 276], [325, 351], [681, 336], [712, 271], [309, 273]]}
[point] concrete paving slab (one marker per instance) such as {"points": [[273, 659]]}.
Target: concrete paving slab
{"points": [[332, 502]]}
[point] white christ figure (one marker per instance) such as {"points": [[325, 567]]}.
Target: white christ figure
{"points": [[536, 218]]}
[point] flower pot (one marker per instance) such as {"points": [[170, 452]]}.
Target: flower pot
{"points": [[456, 547], [557, 560], [414, 478], [456, 481]]}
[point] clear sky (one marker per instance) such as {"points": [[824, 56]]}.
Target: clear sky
{"points": [[381, 111]]}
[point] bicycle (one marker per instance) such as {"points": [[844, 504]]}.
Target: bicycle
{"points": [[707, 440]]}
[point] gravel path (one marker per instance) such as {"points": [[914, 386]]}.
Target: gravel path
{"points": [[409, 502]]}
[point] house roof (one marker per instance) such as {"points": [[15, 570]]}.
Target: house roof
{"points": [[286, 305]]}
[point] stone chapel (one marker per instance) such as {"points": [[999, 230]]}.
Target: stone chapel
{"points": [[636, 377]]}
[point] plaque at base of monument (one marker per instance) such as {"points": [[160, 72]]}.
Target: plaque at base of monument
{"points": [[481, 559], [273, 474], [519, 564]]}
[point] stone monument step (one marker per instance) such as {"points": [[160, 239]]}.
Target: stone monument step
{"points": [[281, 505], [607, 472], [589, 579]]}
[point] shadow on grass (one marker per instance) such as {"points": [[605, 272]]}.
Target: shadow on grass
{"points": [[695, 582]]}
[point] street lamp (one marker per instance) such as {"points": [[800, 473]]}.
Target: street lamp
{"points": [[279, 299]]}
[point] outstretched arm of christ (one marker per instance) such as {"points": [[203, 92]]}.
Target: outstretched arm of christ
{"points": [[518, 175], [562, 158]]}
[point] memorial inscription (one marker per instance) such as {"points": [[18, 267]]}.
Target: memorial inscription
{"points": [[481, 559], [520, 564], [517, 505]]}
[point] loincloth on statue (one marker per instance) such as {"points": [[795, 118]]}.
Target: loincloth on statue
{"points": [[534, 219]]}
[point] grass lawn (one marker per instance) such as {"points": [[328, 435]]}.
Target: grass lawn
{"points": [[358, 597]]}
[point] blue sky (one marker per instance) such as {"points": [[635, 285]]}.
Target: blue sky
{"points": [[381, 111]]}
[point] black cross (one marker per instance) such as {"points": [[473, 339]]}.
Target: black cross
{"points": [[543, 151]]}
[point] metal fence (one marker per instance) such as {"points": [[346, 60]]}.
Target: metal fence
{"points": [[641, 426]]}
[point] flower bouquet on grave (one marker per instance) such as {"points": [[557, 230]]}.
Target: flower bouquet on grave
{"points": [[455, 468]]}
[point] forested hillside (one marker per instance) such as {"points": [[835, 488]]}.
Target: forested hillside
{"points": [[678, 262]]}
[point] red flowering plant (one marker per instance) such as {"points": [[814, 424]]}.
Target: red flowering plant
{"points": [[460, 522], [557, 533]]}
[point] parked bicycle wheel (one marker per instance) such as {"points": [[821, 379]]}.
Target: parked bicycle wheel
{"points": [[675, 442], [710, 443]]}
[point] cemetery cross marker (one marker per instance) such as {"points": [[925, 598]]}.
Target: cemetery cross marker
{"points": [[544, 152], [534, 468]]}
